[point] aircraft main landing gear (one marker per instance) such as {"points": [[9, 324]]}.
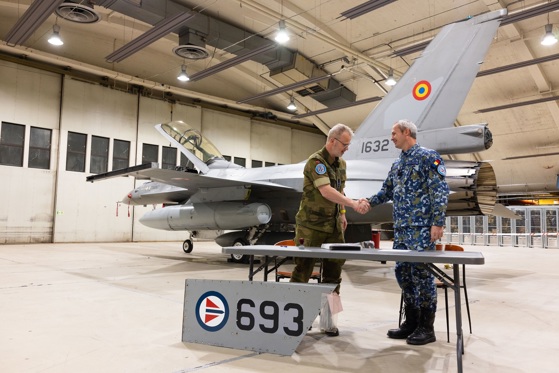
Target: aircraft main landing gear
{"points": [[240, 258]]}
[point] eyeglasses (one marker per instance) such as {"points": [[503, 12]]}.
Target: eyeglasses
{"points": [[343, 143]]}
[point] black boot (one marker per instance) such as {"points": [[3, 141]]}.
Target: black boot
{"points": [[408, 326], [425, 332]]}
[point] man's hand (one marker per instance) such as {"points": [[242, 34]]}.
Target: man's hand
{"points": [[361, 206], [436, 233]]}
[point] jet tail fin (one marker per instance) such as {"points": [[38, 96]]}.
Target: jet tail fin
{"points": [[434, 88]]}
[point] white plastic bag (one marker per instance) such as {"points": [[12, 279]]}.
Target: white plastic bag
{"points": [[331, 305]]}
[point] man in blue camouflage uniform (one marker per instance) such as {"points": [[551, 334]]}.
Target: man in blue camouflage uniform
{"points": [[321, 216], [416, 185]]}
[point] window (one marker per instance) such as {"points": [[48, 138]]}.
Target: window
{"points": [[121, 154], [149, 153], [39, 148], [12, 139], [269, 164], [99, 155], [75, 155], [256, 164], [227, 158], [169, 158], [240, 161]]}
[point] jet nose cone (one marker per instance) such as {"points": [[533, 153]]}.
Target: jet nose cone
{"points": [[127, 199]]}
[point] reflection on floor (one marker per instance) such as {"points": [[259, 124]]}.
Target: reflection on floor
{"points": [[117, 307]]}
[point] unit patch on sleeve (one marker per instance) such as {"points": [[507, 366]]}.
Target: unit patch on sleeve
{"points": [[320, 169]]}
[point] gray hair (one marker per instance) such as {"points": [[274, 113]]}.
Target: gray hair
{"points": [[338, 130], [407, 124]]}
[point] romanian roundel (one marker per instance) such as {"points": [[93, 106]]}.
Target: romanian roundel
{"points": [[421, 90]]}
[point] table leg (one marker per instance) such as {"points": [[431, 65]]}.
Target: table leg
{"points": [[251, 268], [458, 308]]}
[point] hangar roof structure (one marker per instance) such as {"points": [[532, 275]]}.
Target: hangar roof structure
{"points": [[334, 66]]}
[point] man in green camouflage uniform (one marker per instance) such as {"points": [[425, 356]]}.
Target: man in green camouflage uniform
{"points": [[321, 216]]}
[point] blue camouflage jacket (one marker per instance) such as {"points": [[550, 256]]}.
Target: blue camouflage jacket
{"points": [[416, 185]]}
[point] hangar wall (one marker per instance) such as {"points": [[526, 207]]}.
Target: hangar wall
{"points": [[57, 205]]}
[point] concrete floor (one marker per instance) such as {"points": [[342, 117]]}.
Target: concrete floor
{"points": [[117, 307]]}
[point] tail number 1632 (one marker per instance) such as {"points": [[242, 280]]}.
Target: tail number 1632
{"points": [[375, 146]]}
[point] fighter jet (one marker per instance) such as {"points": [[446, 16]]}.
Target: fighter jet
{"points": [[258, 205]]}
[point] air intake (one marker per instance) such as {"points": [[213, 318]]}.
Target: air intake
{"points": [[78, 13], [192, 46]]}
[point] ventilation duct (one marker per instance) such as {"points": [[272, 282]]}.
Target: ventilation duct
{"points": [[79, 13], [191, 46], [286, 66], [328, 92]]}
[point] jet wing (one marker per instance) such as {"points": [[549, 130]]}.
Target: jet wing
{"points": [[187, 180]]}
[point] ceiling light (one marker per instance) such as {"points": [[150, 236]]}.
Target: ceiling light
{"points": [[549, 38], [55, 37], [356, 103], [282, 37], [182, 76], [288, 87], [518, 65], [365, 8], [232, 62], [532, 12], [292, 105], [517, 104], [390, 81], [160, 29]]}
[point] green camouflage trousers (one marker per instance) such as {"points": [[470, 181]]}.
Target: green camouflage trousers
{"points": [[331, 268]]}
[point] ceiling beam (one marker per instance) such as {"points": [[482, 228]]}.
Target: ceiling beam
{"points": [[356, 103], [30, 21], [159, 30], [517, 104]]}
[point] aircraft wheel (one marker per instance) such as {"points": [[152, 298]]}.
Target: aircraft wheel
{"points": [[239, 258], [187, 246]]}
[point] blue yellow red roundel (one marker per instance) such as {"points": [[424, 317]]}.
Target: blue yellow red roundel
{"points": [[421, 90]]}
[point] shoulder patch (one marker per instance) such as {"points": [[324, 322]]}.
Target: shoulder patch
{"points": [[320, 169], [439, 166]]}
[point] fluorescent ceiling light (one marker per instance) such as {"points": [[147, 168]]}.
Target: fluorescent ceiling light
{"points": [[549, 38], [34, 16], [55, 37], [517, 104], [535, 11], [365, 8], [160, 29], [511, 18], [285, 88], [519, 65], [356, 103], [411, 49], [232, 62]]}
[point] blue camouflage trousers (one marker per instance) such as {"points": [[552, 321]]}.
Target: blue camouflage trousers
{"points": [[415, 280]]}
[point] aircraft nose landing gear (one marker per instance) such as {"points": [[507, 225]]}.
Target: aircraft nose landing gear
{"points": [[187, 246]]}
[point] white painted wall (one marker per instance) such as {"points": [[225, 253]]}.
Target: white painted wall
{"points": [[28, 97], [60, 206]]}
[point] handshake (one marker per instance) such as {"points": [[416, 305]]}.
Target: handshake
{"points": [[361, 205]]}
